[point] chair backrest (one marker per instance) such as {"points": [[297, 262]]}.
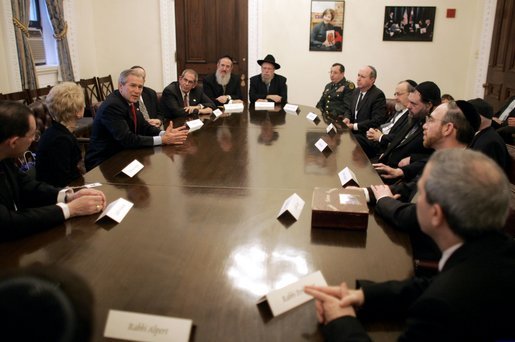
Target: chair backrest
{"points": [[91, 94], [511, 163], [105, 85], [40, 93], [20, 96]]}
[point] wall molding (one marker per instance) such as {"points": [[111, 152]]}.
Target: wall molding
{"points": [[485, 44], [168, 47]]}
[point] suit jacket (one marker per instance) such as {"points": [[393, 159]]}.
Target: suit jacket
{"points": [[58, 156], [371, 109], [172, 101], [396, 128], [490, 143], [113, 130], [412, 146], [26, 205], [277, 87], [471, 299], [214, 90], [152, 103]]}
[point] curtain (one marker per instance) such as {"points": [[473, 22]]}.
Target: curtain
{"points": [[20, 10], [60, 26]]}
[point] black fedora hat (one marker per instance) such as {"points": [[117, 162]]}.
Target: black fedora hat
{"points": [[269, 59]]}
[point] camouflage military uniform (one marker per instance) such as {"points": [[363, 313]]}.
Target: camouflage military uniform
{"points": [[336, 98]]}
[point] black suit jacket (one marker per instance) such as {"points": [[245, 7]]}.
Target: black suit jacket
{"points": [[371, 109], [26, 206], [113, 130], [149, 96], [490, 143], [214, 90], [396, 128], [472, 299], [172, 102], [277, 87], [412, 146]]}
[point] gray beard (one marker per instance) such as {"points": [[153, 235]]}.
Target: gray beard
{"points": [[267, 82], [222, 80], [399, 107]]}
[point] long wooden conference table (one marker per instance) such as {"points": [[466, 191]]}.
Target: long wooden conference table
{"points": [[203, 241]]}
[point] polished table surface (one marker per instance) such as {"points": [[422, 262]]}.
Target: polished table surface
{"points": [[202, 240]]}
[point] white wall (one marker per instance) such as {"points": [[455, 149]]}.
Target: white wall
{"points": [[116, 34]]}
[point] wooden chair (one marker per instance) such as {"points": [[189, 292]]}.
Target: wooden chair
{"points": [[40, 93], [91, 94], [105, 85], [20, 96]]}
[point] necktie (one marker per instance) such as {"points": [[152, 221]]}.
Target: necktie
{"points": [[186, 101], [143, 109], [357, 105], [134, 117]]}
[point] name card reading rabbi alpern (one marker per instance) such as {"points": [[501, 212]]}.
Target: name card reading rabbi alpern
{"points": [[133, 326], [291, 296], [134, 167], [116, 210]]}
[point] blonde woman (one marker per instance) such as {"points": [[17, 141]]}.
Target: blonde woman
{"points": [[59, 159]]}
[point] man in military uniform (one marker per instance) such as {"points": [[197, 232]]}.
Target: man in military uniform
{"points": [[337, 96]]}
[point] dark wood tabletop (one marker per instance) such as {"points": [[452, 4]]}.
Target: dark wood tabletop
{"points": [[203, 242]]}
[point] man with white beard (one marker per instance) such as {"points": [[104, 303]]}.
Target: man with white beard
{"points": [[223, 86]]}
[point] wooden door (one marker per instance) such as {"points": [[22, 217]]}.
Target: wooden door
{"points": [[500, 80], [209, 29]]}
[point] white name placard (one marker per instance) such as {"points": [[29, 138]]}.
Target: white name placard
{"points": [[322, 145], [134, 167], [234, 107], [264, 105], [194, 125], [293, 205], [291, 296], [117, 210], [217, 112], [313, 118], [346, 175], [133, 326], [331, 129], [290, 108]]}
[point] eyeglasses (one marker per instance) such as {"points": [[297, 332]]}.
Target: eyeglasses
{"points": [[188, 81], [398, 94], [35, 136]]}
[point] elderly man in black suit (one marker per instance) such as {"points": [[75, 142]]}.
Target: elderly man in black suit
{"points": [[368, 106], [407, 146], [148, 102], [268, 86], [184, 97], [223, 86], [119, 123], [462, 205], [28, 206]]}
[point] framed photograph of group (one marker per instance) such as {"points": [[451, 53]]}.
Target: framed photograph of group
{"points": [[326, 25], [409, 23]]}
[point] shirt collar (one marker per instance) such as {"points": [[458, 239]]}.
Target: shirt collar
{"points": [[447, 254]]}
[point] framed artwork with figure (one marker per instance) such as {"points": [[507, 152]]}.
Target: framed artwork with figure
{"points": [[409, 23], [326, 25]]}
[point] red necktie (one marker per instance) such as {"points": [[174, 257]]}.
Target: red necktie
{"points": [[134, 117], [186, 101]]}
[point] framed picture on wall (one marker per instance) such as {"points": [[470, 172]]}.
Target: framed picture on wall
{"points": [[326, 25], [408, 23]]}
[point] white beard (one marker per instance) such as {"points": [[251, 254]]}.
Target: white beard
{"points": [[222, 80], [399, 107]]}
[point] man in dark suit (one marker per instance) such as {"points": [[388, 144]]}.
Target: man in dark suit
{"points": [[462, 205], [184, 98], [504, 120], [148, 102], [407, 146], [487, 140], [26, 205], [368, 106], [268, 86], [223, 86], [119, 123], [377, 139]]}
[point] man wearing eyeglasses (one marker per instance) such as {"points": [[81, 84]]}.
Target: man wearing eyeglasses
{"points": [[184, 97], [26, 205]]}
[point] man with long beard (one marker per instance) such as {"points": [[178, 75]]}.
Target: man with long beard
{"points": [[268, 86], [223, 86]]}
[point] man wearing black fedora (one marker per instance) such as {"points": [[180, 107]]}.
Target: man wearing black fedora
{"points": [[268, 86]]}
